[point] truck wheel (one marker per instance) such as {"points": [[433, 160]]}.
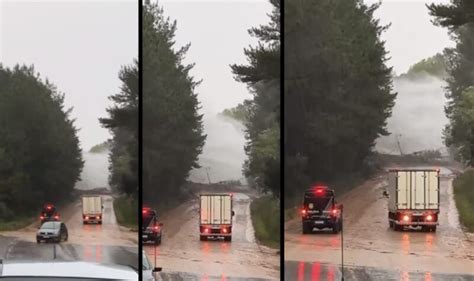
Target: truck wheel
{"points": [[432, 228], [397, 227], [100, 222], [202, 238], [228, 238]]}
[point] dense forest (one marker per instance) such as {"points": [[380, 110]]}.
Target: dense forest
{"points": [[261, 114], [338, 92], [123, 124], [458, 17], [173, 134], [40, 156]]}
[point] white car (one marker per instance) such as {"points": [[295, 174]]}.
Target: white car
{"points": [[65, 271], [148, 272]]}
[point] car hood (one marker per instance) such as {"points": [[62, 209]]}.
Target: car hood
{"points": [[68, 269]]}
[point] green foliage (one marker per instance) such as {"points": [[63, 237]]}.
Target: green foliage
{"points": [[172, 127], [434, 66], [464, 197], [100, 148], [239, 113], [123, 123], [40, 157], [125, 208], [266, 220], [459, 133], [262, 113], [338, 91]]}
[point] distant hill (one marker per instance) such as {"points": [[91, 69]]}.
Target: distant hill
{"points": [[434, 66], [101, 147]]}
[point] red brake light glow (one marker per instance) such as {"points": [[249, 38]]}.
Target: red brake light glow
{"points": [[49, 207], [86, 217], [224, 230], [334, 211], [144, 211], [41, 217], [303, 211], [206, 230], [429, 217], [406, 218]]}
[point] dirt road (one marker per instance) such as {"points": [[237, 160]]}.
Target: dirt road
{"points": [[371, 247], [183, 256], [106, 243]]}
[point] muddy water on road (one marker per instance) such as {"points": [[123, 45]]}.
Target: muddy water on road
{"points": [[106, 243], [369, 242], [182, 251]]}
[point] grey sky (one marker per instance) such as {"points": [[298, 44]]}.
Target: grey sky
{"points": [[412, 36], [78, 45], [218, 34]]}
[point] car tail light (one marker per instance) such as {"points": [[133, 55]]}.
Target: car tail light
{"points": [[406, 218], [56, 217], [429, 217], [303, 211], [144, 212], [334, 211], [41, 217], [155, 228]]}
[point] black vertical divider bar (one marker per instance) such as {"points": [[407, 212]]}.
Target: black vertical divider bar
{"points": [[282, 139], [140, 130]]}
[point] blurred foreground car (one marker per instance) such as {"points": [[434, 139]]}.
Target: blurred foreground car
{"points": [[55, 231], [65, 271], [148, 272]]}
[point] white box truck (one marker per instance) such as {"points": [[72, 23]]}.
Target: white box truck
{"points": [[215, 219], [92, 209], [413, 198]]}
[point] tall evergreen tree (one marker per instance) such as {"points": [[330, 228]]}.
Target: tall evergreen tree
{"points": [[40, 157], [172, 127], [262, 75], [338, 91], [123, 123], [458, 17]]}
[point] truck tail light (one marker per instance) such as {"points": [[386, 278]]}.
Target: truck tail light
{"points": [[86, 218], [429, 218], [206, 230], [98, 217], [406, 218]]}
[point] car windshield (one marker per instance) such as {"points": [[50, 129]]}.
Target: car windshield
{"points": [[50, 225], [147, 220]]}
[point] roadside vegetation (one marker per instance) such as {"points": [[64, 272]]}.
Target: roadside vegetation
{"points": [[40, 157], [173, 134], [126, 212], [464, 197], [122, 121], [265, 212]]}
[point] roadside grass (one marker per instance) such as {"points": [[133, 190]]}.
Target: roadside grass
{"points": [[265, 212], [16, 223], [126, 212], [463, 188]]}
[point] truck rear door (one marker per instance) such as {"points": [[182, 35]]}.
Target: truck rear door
{"points": [[417, 189], [216, 209]]}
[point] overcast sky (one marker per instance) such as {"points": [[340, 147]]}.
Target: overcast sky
{"points": [[412, 36], [218, 34], [78, 45]]}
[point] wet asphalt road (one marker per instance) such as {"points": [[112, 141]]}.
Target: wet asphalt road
{"points": [[372, 250], [184, 257], [107, 243], [317, 271]]}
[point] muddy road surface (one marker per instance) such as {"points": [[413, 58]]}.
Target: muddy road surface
{"points": [[373, 251], [184, 257], [106, 243]]}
